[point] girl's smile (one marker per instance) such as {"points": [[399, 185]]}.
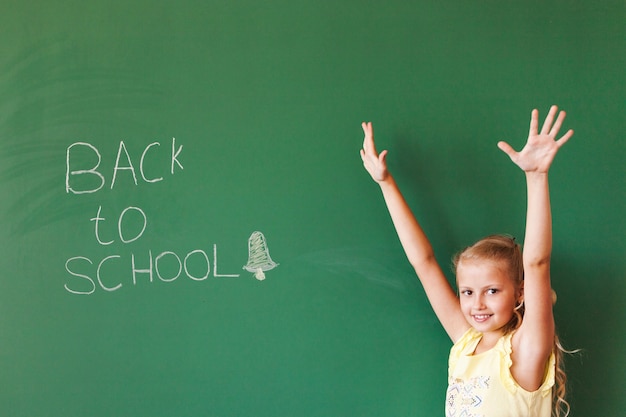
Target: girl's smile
{"points": [[481, 318]]}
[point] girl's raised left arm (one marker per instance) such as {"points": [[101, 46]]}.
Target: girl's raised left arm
{"points": [[534, 340]]}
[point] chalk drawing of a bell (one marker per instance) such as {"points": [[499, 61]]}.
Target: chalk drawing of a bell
{"points": [[259, 259]]}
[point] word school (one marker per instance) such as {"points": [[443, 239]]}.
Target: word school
{"points": [[87, 282]]}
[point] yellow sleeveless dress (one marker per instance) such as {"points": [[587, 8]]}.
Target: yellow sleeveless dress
{"points": [[482, 385]]}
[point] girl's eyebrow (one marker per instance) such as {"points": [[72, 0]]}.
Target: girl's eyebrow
{"points": [[486, 287]]}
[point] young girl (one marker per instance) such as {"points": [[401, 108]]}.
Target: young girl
{"points": [[505, 353]]}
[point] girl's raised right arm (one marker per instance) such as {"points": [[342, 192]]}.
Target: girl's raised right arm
{"points": [[414, 241]]}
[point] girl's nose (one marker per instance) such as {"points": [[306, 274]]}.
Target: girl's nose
{"points": [[478, 302]]}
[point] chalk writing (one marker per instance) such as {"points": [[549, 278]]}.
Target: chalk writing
{"points": [[99, 218], [86, 275], [71, 174]]}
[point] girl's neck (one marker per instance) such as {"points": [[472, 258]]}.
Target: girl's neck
{"points": [[488, 341]]}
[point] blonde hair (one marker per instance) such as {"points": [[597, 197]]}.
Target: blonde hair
{"points": [[503, 248]]}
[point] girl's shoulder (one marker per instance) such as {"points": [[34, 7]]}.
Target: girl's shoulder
{"points": [[466, 345]]}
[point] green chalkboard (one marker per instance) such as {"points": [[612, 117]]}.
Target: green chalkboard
{"points": [[187, 229]]}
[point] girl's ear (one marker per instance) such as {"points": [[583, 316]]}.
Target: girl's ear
{"points": [[520, 297], [520, 294]]}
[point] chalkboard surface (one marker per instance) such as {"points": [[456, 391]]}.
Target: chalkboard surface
{"points": [[187, 229]]}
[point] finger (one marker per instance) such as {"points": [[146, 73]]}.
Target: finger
{"points": [[368, 140], [367, 126], [366, 129], [365, 138], [563, 140], [534, 122], [506, 148], [548, 122], [383, 157], [557, 125]]}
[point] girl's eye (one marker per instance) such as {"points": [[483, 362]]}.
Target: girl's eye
{"points": [[492, 291], [466, 292]]}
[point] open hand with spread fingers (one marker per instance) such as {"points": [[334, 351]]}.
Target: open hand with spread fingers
{"points": [[541, 147]]}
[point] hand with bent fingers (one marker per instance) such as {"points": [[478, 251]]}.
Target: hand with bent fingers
{"points": [[374, 162]]}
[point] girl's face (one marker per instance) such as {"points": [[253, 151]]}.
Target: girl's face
{"points": [[487, 294]]}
